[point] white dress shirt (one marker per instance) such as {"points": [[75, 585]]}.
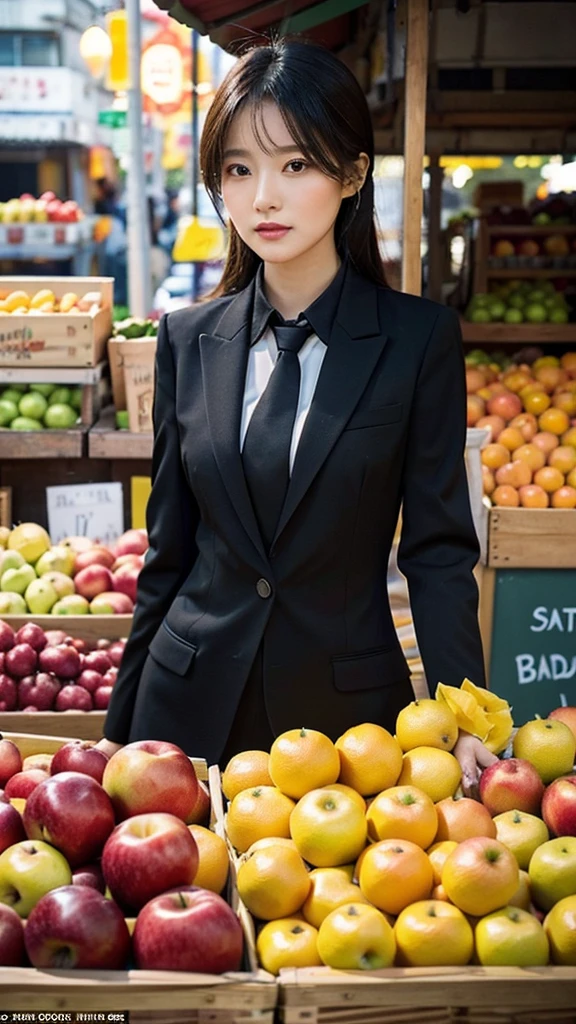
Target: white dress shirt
{"points": [[261, 361]]}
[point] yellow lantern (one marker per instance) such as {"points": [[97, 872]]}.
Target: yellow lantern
{"points": [[118, 77], [95, 50]]}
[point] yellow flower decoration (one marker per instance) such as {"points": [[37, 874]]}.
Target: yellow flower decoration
{"points": [[480, 712]]}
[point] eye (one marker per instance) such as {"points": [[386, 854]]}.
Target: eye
{"points": [[297, 166], [238, 170]]}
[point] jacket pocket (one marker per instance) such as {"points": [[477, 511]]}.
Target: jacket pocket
{"points": [[172, 651], [375, 417], [380, 666]]}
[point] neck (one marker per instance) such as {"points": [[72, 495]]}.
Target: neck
{"points": [[293, 286]]}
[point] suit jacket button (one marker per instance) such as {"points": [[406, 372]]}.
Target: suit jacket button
{"points": [[263, 588]]}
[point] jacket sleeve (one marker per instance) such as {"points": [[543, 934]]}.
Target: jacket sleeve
{"points": [[438, 546], [171, 519]]}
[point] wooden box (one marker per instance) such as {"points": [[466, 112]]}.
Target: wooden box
{"points": [[116, 363], [138, 360], [56, 339], [6, 507], [532, 538]]}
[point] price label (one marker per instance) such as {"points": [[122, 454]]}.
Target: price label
{"points": [[95, 511]]}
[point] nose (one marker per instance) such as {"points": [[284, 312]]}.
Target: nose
{"points": [[266, 196]]}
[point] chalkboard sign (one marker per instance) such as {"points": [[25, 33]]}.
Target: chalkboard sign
{"points": [[533, 656]]}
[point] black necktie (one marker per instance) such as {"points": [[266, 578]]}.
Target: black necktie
{"points": [[266, 451]]}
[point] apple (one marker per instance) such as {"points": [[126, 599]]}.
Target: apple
{"points": [[71, 604], [73, 698], [93, 580], [110, 676], [149, 776], [111, 602], [24, 782], [63, 585], [42, 761], [57, 559], [54, 637], [20, 660], [90, 680], [201, 811], [79, 756], [552, 871], [8, 693], [11, 938], [11, 827], [40, 596], [10, 760], [7, 637], [101, 698], [40, 690], [98, 555], [28, 870], [33, 635], [63, 660], [126, 581], [12, 604], [98, 661], [188, 929], [77, 927], [135, 560], [116, 652], [559, 806], [80, 645], [511, 785], [132, 542], [17, 580], [102, 644], [10, 560], [146, 855], [71, 811], [89, 874], [77, 544], [566, 715]]}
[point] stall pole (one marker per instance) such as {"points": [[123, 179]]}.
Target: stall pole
{"points": [[414, 142], [137, 210]]}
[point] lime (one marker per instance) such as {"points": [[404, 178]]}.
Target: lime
{"points": [[32, 405], [60, 416], [558, 315], [8, 412], [11, 395], [480, 299], [20, 388], [60, 396], [497, 310], [536, 296], [76, 399], [517, 301], [479, 315], [43, 389], [536, 313], [26, 423], [513, 316]]}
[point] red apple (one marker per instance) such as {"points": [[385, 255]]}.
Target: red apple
{"points": [[98, 661], [97, 555], [149, 776], [511, 785], [116, 652], [10, 760], [29, 707], [201, 812], [126, 581], [188, 929], [54, 637], [132, 542], [20, 661], [110, 677], [11, 938], [63, 660], [102, 644], [77, 544], [559, 806], [11, 827], [73, 813], [77, 927], [31, 633], [79, 756], [101, 698], [8, 693], [2, 662], [146, 855], [566, 715], [7, 637], [93, 580], [24, 783], [89, 874], [135, 560], [90, 680], [77, 642], [73, 698], [40, 690], [111, 602]]}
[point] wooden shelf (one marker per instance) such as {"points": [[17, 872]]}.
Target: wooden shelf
{"points": [[519, 273], [518, 334], [531, 229], [81, 725], [42, 444], [50, 375], [106, 442], [89, 627]]}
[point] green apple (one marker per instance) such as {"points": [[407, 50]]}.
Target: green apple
{"points": [[28, 870], [8, 412], [10, 559], [71, 604], [57, 559], [513, 316], [479, 315], [60, 416], [60, 396], [63, 584], [12, 604], [4, 534], [496, 309], [11, 395], [40, 596], [558, 315], [536, 313], [32, 405], [17, 580], [43, 389], [517, 301], [26, 423], [552, 871], [76, 400]]}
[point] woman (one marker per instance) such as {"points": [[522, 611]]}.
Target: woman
{"points": [[294, 413]]}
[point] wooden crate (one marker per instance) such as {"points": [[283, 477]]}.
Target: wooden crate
{"points": [[88, 627], [518, 334], [138, 358], [57, 339], [532, 538], [6, 507]]}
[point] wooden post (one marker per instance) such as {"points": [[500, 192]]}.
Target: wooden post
{"points": [[414, 142]]}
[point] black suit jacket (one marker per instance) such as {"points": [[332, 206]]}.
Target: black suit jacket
{"points": [[386, 426]]}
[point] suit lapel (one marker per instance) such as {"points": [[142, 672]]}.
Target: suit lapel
{"points": [[355, 346]]}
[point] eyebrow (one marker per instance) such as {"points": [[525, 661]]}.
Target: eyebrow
{"points": [[277, 149]]}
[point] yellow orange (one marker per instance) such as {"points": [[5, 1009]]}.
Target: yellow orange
{"points": [[463, 819], [395, 873], [515, 474], [571, 479], [565, 400], [328, 827], [526, 423], [426, 723], [370, 758], [488, 480], [403, 812], [436, 772], [287, 942], [568, 362], [437, 854], [494, 455], [330, 888], [546, 441], [549, 479], [554, 420], [480, 875], [511, 438], [356, 937], [301, 760], [433, 933], [352, 793], [506, 496], [213, 860], [245, 771], [569, 437], [536, 401], [549, 745], [273, 882], [563, 458], [533, 496], [256, 813], [531, 454]]}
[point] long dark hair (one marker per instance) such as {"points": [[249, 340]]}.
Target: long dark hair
{"points": [[326, 113]]}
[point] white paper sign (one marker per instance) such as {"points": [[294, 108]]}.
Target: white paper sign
{"points": [[85, 510]]}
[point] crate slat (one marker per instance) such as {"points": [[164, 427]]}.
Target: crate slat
{"points": [[532, 538], [83, 725], [89, 627]]}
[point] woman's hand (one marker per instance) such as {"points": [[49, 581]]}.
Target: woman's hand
{"points": [[108, 747], [472, 756]]}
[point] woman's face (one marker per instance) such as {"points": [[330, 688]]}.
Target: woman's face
{"points": [[280, 188]]}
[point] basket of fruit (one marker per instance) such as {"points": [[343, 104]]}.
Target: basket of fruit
{"points": [[113, 888], [127, 330], [380, 893]]}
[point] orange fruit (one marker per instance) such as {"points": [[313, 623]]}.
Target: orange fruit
{"points": [[563, 458], [256, 813], [554, 420], [273, 883], [403, 812], [545, 441], [245, 771], [536, 401], [569, 437], [549, 745], [352, 793], [495, 423], [436, 772], [515, 474], [564, 497], [395, 873], [511, 937], [560, 927], [480, 875], [433, 933], [438, 853], [526, 423], [565, 400], [287, 942], [549, 376], [356, 936], [533, 496], [511, 438], [515, 380], [426, 723], [531, 454], [549, 479], [506, 496], [213, 860], [262, 844], [571, 479], [439, 893], [370, 758], [330, 888], [463, 819], [568, 362], [301, 760], [488, 480], [328, 827], [494, 455]]}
